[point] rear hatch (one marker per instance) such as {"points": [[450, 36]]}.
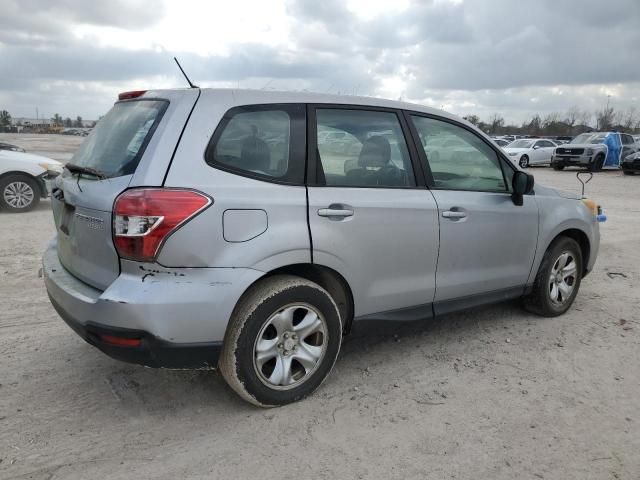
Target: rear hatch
{"points": [[130, 146]]}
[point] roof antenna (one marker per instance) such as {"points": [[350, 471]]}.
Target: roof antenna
{"points": [[185, 75]]}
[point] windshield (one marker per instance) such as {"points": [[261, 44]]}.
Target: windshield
{"points": [[117, 142], [589, 138], [521, 144]]}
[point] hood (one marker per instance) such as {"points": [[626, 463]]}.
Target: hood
{"points": [[28, 158], [515, 150], [553, 192]]}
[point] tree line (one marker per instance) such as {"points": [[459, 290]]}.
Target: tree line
{"points": [[5, 120], [573, 122]]}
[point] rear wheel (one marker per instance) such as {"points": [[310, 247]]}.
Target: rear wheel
{"points": [[282, 341], [558, 167], [18, 193], [524, 161], [558, 279]]}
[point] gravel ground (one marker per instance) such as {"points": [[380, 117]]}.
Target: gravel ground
{"points": [[493, 393]]}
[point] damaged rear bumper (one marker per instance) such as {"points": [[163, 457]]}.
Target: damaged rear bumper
{"points": [[179, 315]]}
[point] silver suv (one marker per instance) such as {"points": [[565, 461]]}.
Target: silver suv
{"points": [[251, 230]]}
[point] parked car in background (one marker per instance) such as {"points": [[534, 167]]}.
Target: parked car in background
{"points": [[636, 138], [527, 151], [501, 142], [594, 151], [10, 147], [631, 164], [25, 179], [185, 240]]}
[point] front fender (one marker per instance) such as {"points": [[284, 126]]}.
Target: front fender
{"points": [[558, 215]]}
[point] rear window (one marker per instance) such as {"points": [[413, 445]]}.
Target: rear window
{"points": [[120, 137]]}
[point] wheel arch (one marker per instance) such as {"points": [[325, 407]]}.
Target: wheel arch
{"points": [[583, 241], [328, 278]]}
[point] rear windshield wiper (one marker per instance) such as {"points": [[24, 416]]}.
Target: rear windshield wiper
{"points": [[73, 168]]}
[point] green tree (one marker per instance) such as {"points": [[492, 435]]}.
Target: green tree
{"points": [[68, 123], [5, 118], [78, 122], [57, 119]]}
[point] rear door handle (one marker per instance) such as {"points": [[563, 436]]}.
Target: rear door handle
{"points": [[454, 214], [335, 212]]}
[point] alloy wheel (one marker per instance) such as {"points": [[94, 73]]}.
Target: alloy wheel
{"points": [[18, 194], [562, 279], [290, 346]]}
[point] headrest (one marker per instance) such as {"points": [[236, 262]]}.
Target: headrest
{"points": [[376, 152]]}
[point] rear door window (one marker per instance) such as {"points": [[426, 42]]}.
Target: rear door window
{"points": [[262, 141], [118, 141]]}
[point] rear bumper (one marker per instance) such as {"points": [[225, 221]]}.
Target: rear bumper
{"points": [[150, 352], [180, 315]]}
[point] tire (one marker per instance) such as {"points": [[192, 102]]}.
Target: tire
{"points": [[558, 167], [628, 172], [597, 163], [19, 193], [541, 299], [275, 312], [524, 161]]}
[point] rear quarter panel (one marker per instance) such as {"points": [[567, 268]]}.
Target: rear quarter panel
{"points": [[201, 242]]}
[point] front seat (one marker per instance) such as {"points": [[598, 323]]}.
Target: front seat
{"points": [[374, 165]]}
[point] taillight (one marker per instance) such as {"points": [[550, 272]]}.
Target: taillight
{"points": [[131, 94], [143, 218]]}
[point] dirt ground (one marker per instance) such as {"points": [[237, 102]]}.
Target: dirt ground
{"points": [[493, 393]]}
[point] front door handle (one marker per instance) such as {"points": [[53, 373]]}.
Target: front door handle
{"points": [[454, 214], [335, 212]]}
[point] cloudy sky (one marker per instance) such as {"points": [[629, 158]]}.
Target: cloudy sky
{"points": [[510, 57]]}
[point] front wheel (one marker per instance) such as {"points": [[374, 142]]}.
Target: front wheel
{"points": [[282, 341], [558, 167], [597, 163], [558, 279], [18, 193], [524, 161]]}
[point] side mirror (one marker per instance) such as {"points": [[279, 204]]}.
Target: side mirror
{"points": [[535, 147], [522, 185]]}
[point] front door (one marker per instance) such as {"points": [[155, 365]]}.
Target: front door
{"points": [[368, 220], [487, 243]]}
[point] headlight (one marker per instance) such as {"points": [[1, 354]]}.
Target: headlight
{"points": [[589, 151], [54, 167]]}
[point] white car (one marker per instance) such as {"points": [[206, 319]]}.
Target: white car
{"points": [[531, 151], [25, 179]]}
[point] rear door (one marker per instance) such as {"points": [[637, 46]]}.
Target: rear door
{"points": [[122, 147], [368, 219], [487, 244]]}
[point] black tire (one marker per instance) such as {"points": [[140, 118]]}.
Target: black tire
{"points": [[249, 323], [628, 172], [597, 163], [539, 300], [524, 161], [26, 185], [558, 167]]}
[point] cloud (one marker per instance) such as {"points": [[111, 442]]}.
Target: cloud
{"points": [[507, 57]]}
